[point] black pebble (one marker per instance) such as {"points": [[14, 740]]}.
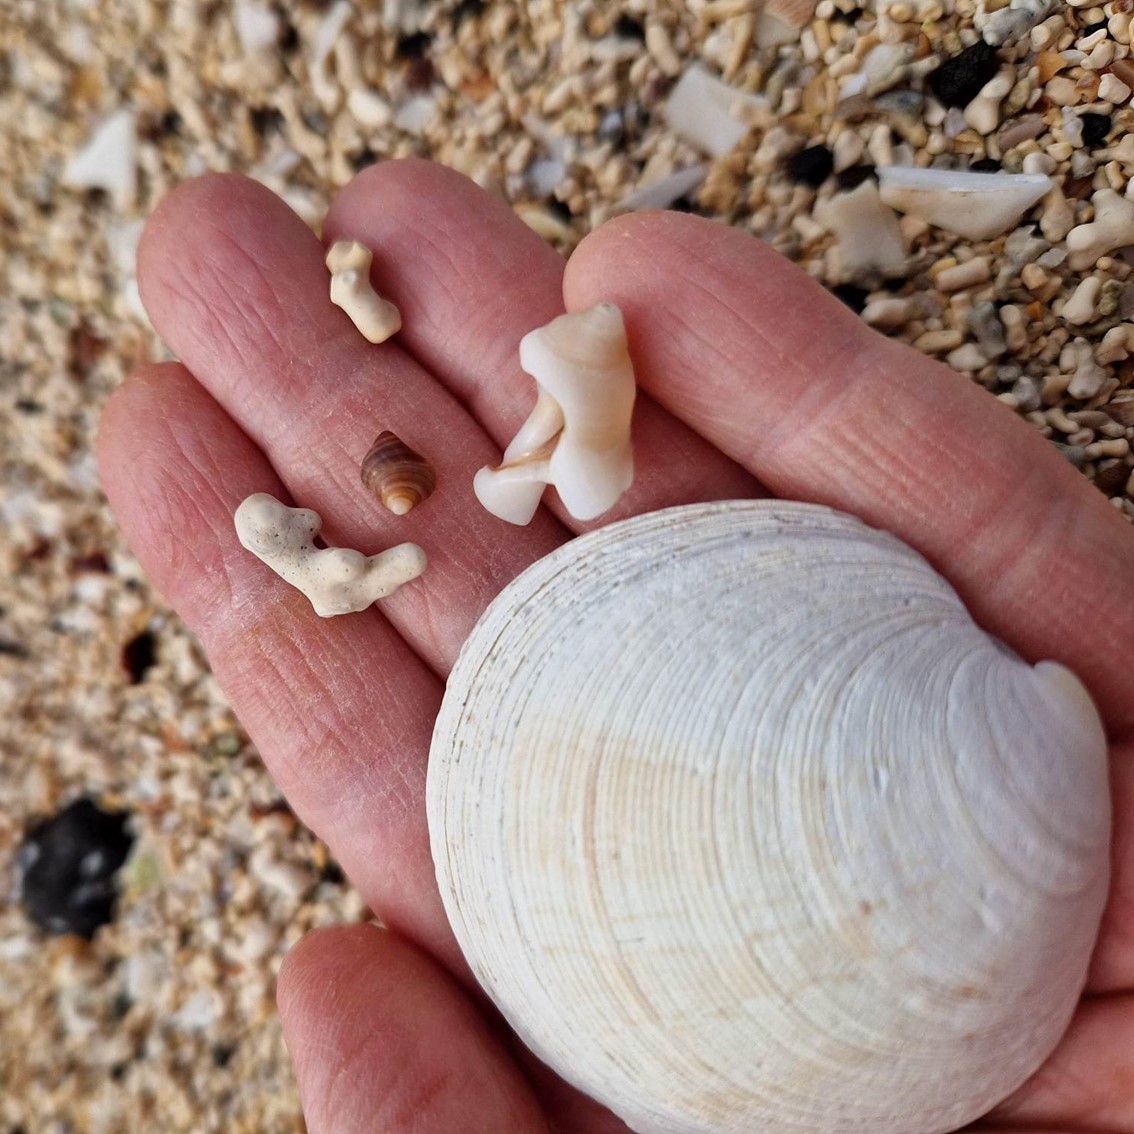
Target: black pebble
{"points": [[811, 166], [413, 46], [559, 209], [138, 655], [68, 864], [266, 119], [985, 165], [854, 297], [1095, 128], [289, 39], [626, 27], [365, 158], [958, 80], [854, 176]]}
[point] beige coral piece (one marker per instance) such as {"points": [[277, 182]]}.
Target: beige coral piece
{"points": [[337, 580], [349, 264]]}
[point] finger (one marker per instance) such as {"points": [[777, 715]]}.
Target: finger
{"points": [[1112, 967], [471, 279], [340, 709], [236, 285], [382, 1039], [1089, 1081], [742, 345]]}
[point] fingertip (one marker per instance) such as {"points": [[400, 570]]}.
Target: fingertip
{"points": [[184, 207], [640, 258], [125, 413], [313, 964], [220, 254], [382, 1038], [399, 189]]}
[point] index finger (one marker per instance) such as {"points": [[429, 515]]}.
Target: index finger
{"points": [[753, 354]]}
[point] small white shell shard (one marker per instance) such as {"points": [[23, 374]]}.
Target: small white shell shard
{"points": [[867, 232], [662, 193], [257, 26], [708, 113], [109, 159], [376, 318], [977, 206], [747, 827], [577, 437], [337, 580]]}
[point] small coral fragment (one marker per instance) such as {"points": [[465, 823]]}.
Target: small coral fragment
{"points": [[349, 264], [337, 580]]}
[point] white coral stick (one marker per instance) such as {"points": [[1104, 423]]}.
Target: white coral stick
{"points": [[337, 580]]}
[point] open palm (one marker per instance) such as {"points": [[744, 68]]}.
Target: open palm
{"points": [[754, 381]]}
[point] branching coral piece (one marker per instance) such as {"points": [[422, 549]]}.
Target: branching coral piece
{"points": [[1113, 227], [337, 580], [349, 264], [577, 437]]}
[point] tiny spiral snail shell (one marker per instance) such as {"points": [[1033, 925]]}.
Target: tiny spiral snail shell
{"points": [[400, 477]]}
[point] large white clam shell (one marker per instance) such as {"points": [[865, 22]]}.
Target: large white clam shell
{"points": [[746, 826]]}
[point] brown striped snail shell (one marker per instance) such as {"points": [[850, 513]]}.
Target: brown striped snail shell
{"points": [[400, 477]]}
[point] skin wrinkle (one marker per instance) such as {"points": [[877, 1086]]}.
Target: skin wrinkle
{"points": [[251, 293], [175, 498], [317, 737]]}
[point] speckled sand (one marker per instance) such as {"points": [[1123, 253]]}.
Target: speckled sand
{"points": [[167, 1022]]}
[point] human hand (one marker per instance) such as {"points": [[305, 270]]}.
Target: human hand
{"points": [[753, 383]]}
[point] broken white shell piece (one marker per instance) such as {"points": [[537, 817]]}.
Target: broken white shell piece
{"points": [[1113, 227], [257, 26], [337, 580], [109, 160], [708, 113], [349, 264], [662, 192], [977, 206], [577, 438], [867, 231]]}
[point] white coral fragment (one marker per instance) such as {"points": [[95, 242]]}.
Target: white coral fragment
{"points": [[1113, 227], [349, 264], [257, 26], [867, 232], [577, 438], [109, 160], [977, 206], [337, 580], [709, 114]]}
